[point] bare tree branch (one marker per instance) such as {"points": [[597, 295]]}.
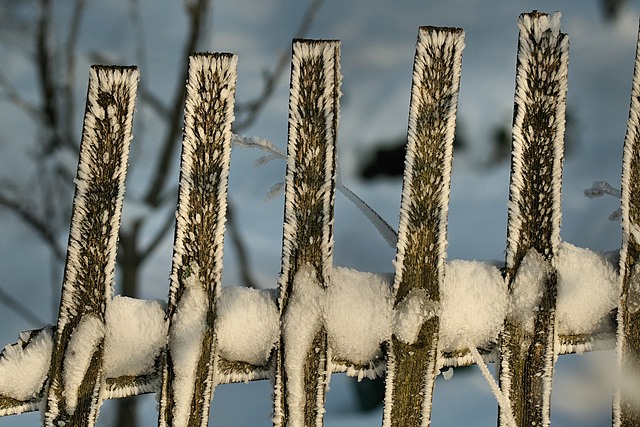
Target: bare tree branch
{"points": [[197, 14], [160, 234], [16, 99], [20, 309], [39, 226], [46, 75], [241, 251], [70, 57]]}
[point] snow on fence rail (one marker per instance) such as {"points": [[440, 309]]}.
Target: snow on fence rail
{"points": [[551, 298]]}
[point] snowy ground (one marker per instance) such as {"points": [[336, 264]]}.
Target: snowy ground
{"points": [[377, 51]]}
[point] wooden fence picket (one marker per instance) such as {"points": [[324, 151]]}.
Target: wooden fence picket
{"points": [[75, 375], [299, 348], [422, 236], [302, 374], [188, 376], [626, 409], [527, 350]]}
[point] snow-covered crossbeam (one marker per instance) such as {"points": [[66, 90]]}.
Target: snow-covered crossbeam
{"points": [[358, 312], [76, 370], [422, 235], [188, 365], [301, 364], [527, 354]]}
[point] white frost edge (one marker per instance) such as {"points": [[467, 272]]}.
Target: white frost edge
{"points": [[538, 27]]}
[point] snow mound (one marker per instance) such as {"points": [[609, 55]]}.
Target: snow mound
{"points": [[23, 370], [136, 334], [588, 289], [247, 324], [358, 314], [474, 304]]}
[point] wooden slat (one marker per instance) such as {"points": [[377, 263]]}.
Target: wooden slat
{"points": [[626, 406], [527, 343], [75, 375], [422, 235], [188, 375], [300, 381]]}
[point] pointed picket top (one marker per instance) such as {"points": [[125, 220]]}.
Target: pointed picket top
{"points": [[75, 375], [303, 360], [625, 402], [533, 232], [422, 236], [188, 374]]}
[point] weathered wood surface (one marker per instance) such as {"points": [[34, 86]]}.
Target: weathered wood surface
{"points": [[422, 235], [75, 375], [626, 406], [301, 381], [528, 341], [188, 382]]}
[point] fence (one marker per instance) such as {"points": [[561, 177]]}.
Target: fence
{"points": [[550, 299]]}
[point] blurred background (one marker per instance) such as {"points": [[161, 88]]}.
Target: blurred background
{"points": [[47, 47]]}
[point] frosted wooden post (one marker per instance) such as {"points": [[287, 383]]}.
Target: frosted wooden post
{"points": [[75, 374], [527, 350], [301, 373], [188, 376], [626, 407], [421, 252]]}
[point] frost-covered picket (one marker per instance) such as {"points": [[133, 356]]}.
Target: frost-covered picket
{"points": [[550, 298]]}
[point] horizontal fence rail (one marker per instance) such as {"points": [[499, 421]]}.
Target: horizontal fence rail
{"points": [[550, 298]]}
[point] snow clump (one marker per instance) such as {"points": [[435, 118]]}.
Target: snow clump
{"points": [[474, 304], [247, 324]]}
